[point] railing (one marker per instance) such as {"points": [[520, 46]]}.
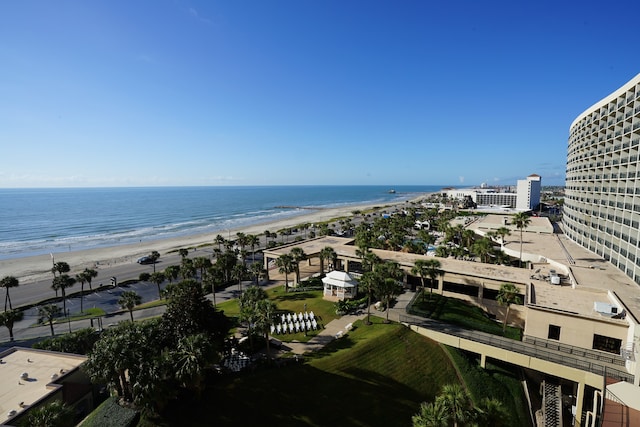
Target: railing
{"points": [[518, 347], [576, 351]]}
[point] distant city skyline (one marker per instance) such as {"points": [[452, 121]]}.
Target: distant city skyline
{"points": [[177, 93]]}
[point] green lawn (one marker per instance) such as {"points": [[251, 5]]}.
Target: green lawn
{"points": [[461, 313], [288, 303], [375, 376]]}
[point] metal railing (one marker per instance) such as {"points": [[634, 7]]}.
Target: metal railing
{"points": [[519, 347]]}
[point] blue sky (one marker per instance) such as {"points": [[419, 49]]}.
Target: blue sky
{"points": [[171, 92]]}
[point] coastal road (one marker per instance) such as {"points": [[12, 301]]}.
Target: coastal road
{"points": [[30, 293]]}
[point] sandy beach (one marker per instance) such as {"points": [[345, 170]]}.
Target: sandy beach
{"points": [[31, 269]]}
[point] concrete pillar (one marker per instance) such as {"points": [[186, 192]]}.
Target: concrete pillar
{"points": [[441, 284], [579, 403], [346, 264], [483, 361], [481, 292]]}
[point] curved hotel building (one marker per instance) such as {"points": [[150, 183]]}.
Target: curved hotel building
{"points": [[602, 195]]}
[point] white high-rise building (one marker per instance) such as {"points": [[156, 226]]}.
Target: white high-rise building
{"points": [[528, 192], [602, 195]]}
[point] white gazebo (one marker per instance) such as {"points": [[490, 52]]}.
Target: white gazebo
{"points": [[339, 285]]}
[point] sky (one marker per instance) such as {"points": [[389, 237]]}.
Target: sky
{"points": [[302, 92]]}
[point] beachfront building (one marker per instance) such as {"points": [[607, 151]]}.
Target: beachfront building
{"points": [[602, 201], [32, 378], [581, 328], [526, 196], [528, 192]]}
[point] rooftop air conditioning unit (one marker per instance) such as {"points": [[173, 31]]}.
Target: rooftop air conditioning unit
{"points": [[605, 309]]}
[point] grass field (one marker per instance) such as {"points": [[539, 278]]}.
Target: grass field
{"points": [[288, 303], [461, 313], [375, 376]]}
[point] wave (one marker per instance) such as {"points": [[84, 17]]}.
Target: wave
{"points": [[41, 222]]}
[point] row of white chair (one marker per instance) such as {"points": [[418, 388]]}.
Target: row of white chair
{"points": [[289, 317], [291, 327]]}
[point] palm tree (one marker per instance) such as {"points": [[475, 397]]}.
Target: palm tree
{"points": [[82, 278], [427, 268], [128, 300], [154, 255], [326, 253], [8, 282], [433, 272], [492, 412], [8, 318], [253, 241], [193, 355], [521, 220], [54, 414], [433, 414], [386, 288], [265, 310], [507, 295], [420, 269], [219, 240], [285, 266], [239, 273], [158, 278], [201, 263], [369, 278], [60, 268], [212, 277], [183, 252], [61, 283], [49, 312], [483, 247], [456, 400], [172, 272], [503, 232], [256, 271], [297, 255], [187, 270]]}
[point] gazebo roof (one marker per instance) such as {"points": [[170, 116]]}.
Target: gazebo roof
{"points": [[340, 279]]}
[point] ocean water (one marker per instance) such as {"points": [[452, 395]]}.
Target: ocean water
{"points": [[40, 221]]}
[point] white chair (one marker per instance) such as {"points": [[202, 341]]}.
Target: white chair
{"points": [[294, 317], [306, 316], [279, 328], [297, 326], [288, 317], [300, 316], [272, 329], [313, 316], [314, 324], [290, 327], [308, 324], [283, 318]]}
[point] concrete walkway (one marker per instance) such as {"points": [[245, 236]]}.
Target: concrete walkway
{"points": [[340, 327]]}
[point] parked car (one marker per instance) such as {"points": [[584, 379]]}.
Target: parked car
{"points": [[145, 260]]}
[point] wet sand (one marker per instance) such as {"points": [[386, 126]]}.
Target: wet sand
{"points": [[33, 268]]}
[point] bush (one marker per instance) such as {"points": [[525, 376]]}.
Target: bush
{"points": [[78, 342], [109, 413]]}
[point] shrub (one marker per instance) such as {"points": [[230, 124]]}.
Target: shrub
{"points": [[109, 413]]}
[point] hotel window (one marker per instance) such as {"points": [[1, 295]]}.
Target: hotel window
{"points": [[608, 344], [554, 332]]}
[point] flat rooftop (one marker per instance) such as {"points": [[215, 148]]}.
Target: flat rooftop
{"points": [[40, 366], [594, 277]]}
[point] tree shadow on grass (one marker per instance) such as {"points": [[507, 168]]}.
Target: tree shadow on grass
{"points": [[300, 396], [293, 296]]}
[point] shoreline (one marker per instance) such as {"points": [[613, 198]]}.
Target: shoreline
{"points": [[33, 268]]}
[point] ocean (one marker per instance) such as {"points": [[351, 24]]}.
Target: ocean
{"points": [[40, 221]]}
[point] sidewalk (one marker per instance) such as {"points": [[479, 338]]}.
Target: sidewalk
{"points": [[339, 327]]}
